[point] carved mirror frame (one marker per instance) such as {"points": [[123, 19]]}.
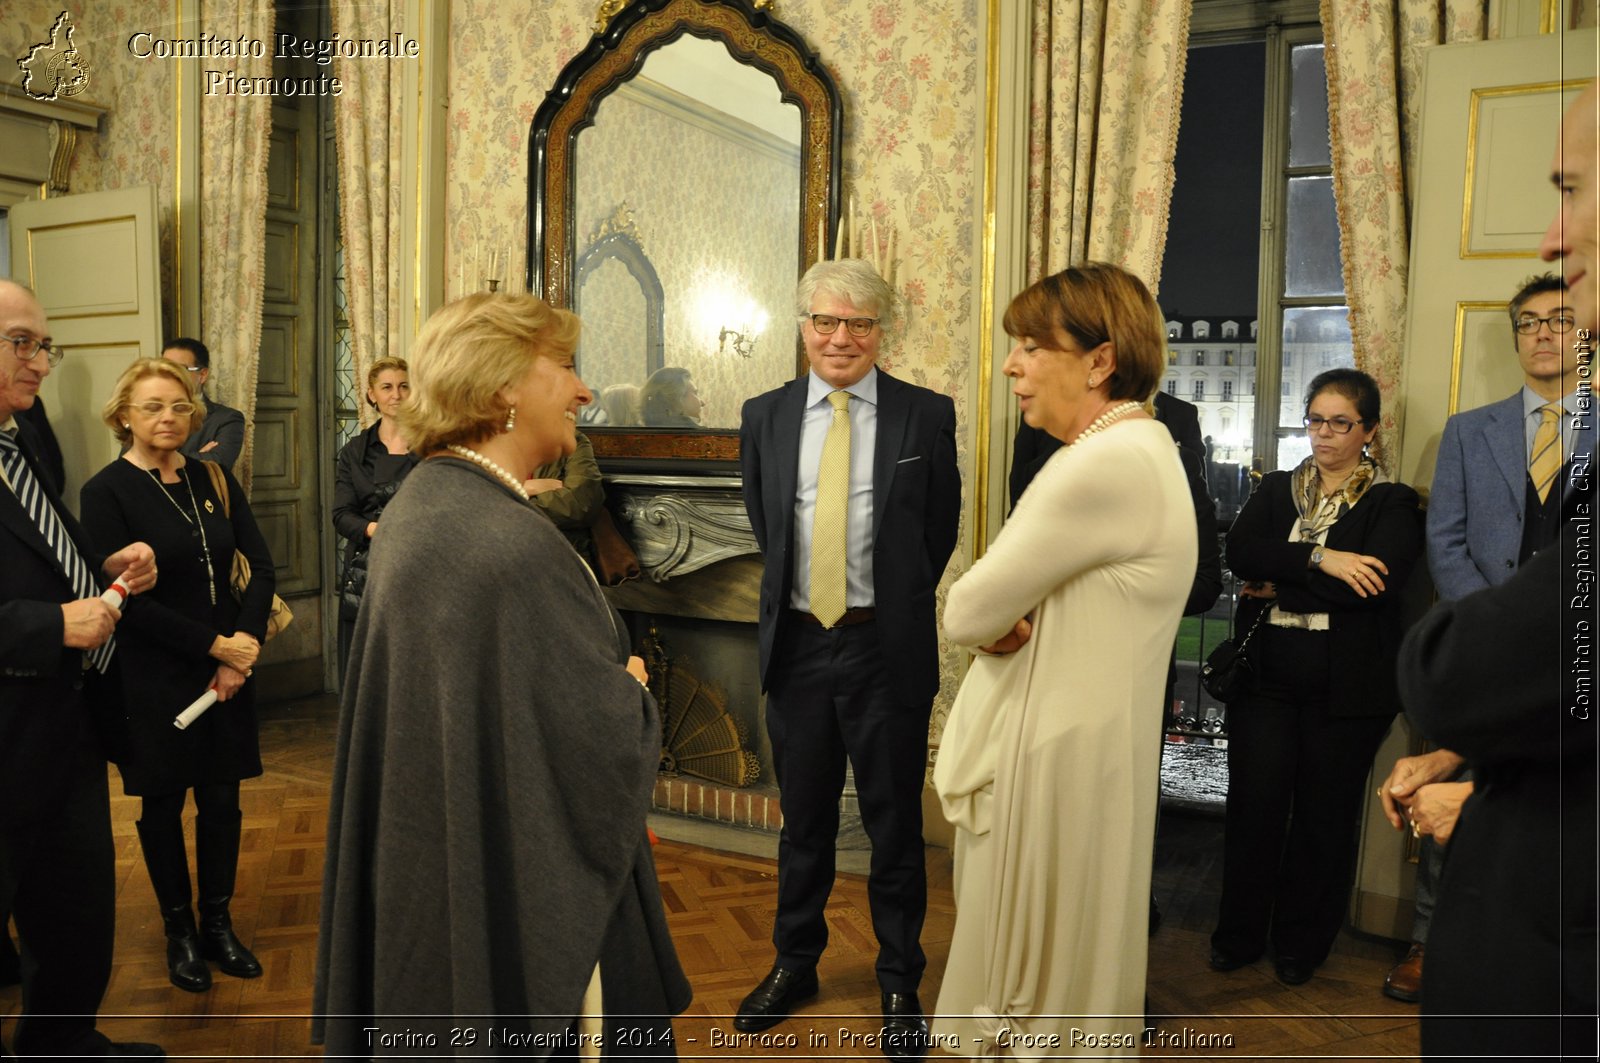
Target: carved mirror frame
{"points": [[623, 248], [751, 33]]}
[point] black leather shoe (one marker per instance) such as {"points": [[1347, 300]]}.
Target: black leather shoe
{"points": [[770, 1002], [905, 1028], [221, 945], [1223, 960], [1294, 972], [134, 1050]]}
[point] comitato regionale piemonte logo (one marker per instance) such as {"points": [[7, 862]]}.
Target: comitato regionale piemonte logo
{"points": [[55, 68]]}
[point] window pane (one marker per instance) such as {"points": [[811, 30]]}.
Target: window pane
{"points": [[1315, 338], [1308, 108], [1311, 244]]}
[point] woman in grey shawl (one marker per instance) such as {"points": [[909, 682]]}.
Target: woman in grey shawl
{"points": [[489, 886]]}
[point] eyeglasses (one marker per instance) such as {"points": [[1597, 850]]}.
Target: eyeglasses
{"points": [[187, 368], [1527, 324], [1337, 425], [154, 408], [26, 347], [827, 324]]}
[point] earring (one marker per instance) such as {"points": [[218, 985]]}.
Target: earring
{"points": [[1092, 382], [125, 424], [511, 418]]}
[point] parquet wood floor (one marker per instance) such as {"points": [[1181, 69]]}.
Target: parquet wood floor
{"points": [[720, 908]]}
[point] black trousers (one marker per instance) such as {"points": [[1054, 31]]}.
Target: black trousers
{"points": [[1296, 783], [830, 696], [56, 873]]}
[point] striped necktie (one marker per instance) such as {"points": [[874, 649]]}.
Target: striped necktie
{"points": [[1545, 463], [828, 540], [48, 521]]}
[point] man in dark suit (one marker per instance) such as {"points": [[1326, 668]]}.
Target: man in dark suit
{"points": [[221, 435], [852, 488], [56, 874], [1486, 516], [1505, 677]]}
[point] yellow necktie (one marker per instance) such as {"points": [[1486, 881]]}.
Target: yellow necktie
{"points": [[1546, 461], [828, 542]]}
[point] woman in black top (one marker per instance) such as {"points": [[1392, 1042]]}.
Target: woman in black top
{"points": [[370, 469], [1326, 550], [187, 635]]}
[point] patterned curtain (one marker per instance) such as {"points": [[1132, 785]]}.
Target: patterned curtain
{"points": [[235, 134], [367, 134], [1107, 89], [1374, 56]]}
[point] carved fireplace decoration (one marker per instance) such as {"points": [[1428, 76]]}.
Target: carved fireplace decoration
{"points": [[698, 736]]}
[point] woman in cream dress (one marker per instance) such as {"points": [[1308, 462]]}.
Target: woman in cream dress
{"points": [[1050, 758]]}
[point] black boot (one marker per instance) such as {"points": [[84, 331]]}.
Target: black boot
{"points": [[164, 858], [217, 853]]}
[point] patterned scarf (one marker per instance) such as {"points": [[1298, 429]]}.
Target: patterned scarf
{"points": [[1319, 513]]}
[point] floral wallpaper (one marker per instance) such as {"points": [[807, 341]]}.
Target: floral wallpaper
{"points": [[136, 141], [913, 159]]}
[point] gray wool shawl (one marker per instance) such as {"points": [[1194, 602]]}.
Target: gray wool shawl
{"points": [[486, 838]]}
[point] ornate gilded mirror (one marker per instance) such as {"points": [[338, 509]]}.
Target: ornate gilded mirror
{"points": [[692, 148]]}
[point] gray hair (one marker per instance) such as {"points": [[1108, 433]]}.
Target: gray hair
{"points": [[854, 280]]}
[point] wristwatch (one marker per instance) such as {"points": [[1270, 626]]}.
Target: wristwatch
{"points": [[1316, 557]]}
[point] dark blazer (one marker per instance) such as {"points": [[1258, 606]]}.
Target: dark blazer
{"points": [[1034, 446], [43, 702], [916, 514], [355, 488], [1504, 677], [224, 426], [1364, 633]]}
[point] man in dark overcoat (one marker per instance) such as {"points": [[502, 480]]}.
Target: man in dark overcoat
{"points": [[1505, 677]]}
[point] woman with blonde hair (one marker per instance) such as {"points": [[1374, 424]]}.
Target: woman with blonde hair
{"points": [[370, 470], [1049, 760], [487, 853], [188, 634]]}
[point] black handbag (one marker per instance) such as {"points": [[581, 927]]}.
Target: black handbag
{"points": [[1229, 671], [353, 586]]}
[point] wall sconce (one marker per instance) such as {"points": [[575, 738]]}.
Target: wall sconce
{"points": [[744, 346]]}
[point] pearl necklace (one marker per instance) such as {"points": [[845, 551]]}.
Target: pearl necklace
{"points": [[1107, 419], [494, 467]]}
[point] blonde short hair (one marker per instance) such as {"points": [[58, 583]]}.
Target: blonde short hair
{"points": [[144, 369], [383, 365], [466, 353], [1092, 304]]}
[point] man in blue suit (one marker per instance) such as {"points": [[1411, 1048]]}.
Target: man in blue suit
{"points": [[852, 488], [1486, 516]]}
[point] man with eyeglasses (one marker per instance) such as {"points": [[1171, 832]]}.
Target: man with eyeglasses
{"points": [[854, 495], [56, 855], [1496, 499], [221, 435], [1505, 677]]}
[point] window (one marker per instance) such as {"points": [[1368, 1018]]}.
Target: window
{"points": [[1172, 385], [1199, 391], [1253, 240]]}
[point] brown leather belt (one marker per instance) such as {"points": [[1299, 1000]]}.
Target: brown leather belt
{"points": [[859, 615]]}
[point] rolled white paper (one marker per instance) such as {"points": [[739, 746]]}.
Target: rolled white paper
{"points": [[116, 594], [198, 706]]}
